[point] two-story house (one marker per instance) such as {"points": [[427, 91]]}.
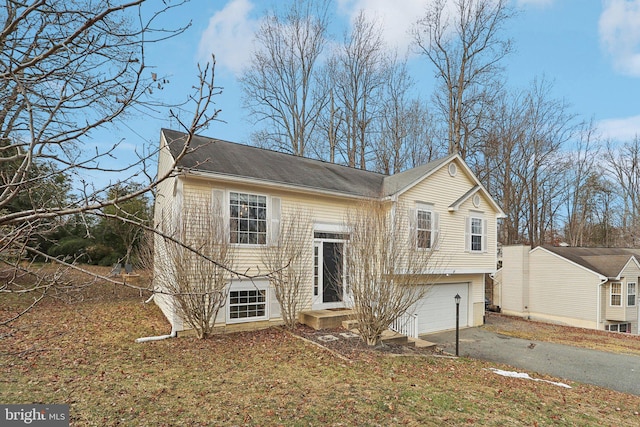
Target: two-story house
{"points": [[257, 187]]}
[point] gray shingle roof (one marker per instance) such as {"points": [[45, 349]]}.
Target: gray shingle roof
{"points": [[244, 161], [608, 262]]}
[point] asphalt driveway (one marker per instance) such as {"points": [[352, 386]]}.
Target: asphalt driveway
{"points": [[614, 371]]}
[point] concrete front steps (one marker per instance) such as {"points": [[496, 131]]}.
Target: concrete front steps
{"points": [[342, 317]]}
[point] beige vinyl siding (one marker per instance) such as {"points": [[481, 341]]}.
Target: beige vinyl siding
{"points": [[615, 313], [441, 190], [325, 210], [513, 280], [624, 313], [164, 210], [563, 291]]}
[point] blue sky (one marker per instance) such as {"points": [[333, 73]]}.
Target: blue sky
{"points": [[589, 49]]}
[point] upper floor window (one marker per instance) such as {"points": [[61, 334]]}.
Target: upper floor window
{"points": [[424, 228], [616, 294], [247, 219], [476, 234], [631, 294]]}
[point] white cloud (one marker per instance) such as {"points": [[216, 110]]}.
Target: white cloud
{"points": [[229, 36], [396, 17], [619, 29], [620, 129]]}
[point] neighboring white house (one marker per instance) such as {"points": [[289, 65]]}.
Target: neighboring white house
{"points": [[594, 288], [444, 194]]}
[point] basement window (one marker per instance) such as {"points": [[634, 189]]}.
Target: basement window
{"points": [[247, 302], [619, 327]]}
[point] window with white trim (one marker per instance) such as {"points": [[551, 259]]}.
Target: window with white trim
{"points": [[247, 219], [247, 302], [631, 294], [476, 233], [618, 327], [424, 227], [616, 294], [424, 224]]}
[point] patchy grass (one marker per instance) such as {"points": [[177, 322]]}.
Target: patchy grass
{"points": [[84, 354], [578, 337]]}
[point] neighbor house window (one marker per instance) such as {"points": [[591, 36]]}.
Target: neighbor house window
{"points": [[619, 327], [631, 294], [424, 228], [616, 294], [247, 219], [247, 304]]}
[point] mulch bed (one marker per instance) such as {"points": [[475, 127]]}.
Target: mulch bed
{"points": [[349, 345]]}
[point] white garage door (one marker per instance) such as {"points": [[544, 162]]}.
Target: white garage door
{"points": [[437, 311]]}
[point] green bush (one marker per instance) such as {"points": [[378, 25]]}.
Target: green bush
{"points": [[72, 247]]}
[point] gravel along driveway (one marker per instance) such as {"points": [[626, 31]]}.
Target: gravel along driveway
{"points": [[618, 372]]}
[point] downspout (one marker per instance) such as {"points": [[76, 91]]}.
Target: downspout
{"points": [[173, 333], [603, 280]]}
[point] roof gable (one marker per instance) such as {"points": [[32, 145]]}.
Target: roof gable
{"points": [[608, 262]]}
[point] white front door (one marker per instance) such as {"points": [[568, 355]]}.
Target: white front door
{"points": [[329, 290]]}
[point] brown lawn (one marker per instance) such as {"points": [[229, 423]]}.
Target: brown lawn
{"points": [[83, 354]]}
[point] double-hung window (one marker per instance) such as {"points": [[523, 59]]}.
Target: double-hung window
{"points": [[424, 228], [476, 234], [247, 219], [631, 294], [424, 224], [247, 301], [616, 294]]}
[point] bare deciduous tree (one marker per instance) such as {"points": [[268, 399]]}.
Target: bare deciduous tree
{"points": [[624, 164], [387, 272], [279, 84], [525, 166], [583, 185], [357, 72], [465, 46], [197, 286], [289, 260], [68, 69]]}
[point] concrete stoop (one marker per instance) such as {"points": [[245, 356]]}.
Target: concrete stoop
{"points": [[332, 319], [324, 319]]}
